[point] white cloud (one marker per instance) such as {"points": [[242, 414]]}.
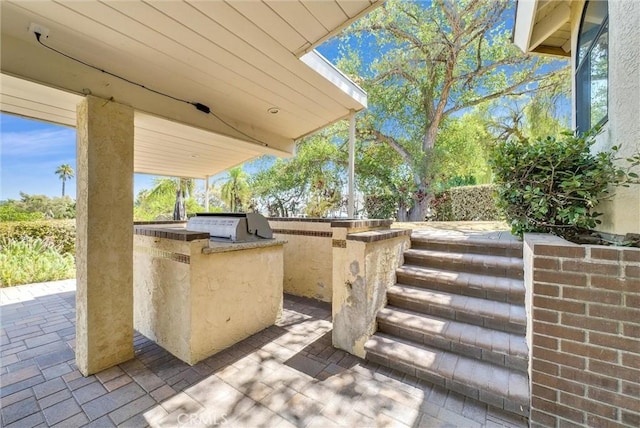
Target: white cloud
{"points": [[37, 142]]}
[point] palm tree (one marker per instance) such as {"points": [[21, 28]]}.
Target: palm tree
{"points": [[65, 172], [182, 187], [235, 191]]}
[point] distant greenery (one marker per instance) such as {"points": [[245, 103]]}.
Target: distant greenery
{"points": [[64, 172], [467, 203], [163, 201], [37, 207], [61, 233], [308, 184], [554, 185], [235, 191], [28, 260]]}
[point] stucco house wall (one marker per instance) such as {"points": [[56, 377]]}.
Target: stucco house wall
{"points": [[622, 213]]}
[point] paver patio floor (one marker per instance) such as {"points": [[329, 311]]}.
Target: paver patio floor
{"points": [[287, 375]]}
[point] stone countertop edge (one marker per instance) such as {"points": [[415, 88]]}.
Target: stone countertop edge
{"points": [[378, 235], [223, 247]]}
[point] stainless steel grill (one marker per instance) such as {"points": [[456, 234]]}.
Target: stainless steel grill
{"points": [[231, 227]]}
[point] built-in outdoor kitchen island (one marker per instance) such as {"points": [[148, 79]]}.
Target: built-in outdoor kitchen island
{"points": [[202, 288]]}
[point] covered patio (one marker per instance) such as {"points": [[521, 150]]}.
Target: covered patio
{"points": [[287, 375], [183, 89]]}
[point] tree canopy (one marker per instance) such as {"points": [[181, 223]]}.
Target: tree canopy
{"points": [[434, 62]]}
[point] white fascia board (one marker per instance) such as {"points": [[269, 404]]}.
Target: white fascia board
{"points": [[322, 66], [523, 28]]}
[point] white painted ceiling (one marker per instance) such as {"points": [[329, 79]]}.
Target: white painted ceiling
{"points": [[240, 58]]}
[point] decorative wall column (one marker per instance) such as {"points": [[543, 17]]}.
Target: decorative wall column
{"points": [[104, 242]]}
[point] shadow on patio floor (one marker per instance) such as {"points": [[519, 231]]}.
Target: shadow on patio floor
{"points": [[286, 375]]}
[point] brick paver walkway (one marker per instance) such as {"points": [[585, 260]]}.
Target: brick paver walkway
{"points": [[286, 375]]}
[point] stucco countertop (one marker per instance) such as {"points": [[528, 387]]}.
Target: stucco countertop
{"points": [[223, 247]]}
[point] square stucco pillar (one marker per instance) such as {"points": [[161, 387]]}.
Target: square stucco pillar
{"points": [[104, 242]]}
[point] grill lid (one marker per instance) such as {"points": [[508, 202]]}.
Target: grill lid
{"points": [[236, 227]]}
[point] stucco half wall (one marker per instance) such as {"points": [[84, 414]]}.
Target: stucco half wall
{"points": [[363, 270], [195, 300]]}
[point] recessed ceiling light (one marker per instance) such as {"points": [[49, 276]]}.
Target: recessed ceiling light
{"points": [[273, 110]]}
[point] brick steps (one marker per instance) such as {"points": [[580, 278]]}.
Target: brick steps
{"points": [[510, 267], [456, 317], [468, 244], [492, 384], [470, 284], [472, 310], [501, 348]]}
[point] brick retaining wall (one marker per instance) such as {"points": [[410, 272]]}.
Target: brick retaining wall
{"points": [[585, 334]]}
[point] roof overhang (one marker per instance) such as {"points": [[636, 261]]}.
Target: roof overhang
{"points": [[543, 27], [241, 59]]}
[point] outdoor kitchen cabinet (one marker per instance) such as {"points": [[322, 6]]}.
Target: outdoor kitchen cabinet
{"points": [[195, 297]]}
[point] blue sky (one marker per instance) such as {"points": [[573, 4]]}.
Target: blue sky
{"points": [[30, 153]]}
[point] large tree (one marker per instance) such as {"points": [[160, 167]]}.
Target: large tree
{"points": [[310, 183], [235, 191], [434, 61], [65, 172], [182, 188]]}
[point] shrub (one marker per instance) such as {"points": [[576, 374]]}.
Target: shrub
{"points": [[381, 206], [27, 260], [553, 185], [466, 203], [60, 233]]}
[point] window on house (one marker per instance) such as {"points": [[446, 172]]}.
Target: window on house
{"points": [[592, 68]]}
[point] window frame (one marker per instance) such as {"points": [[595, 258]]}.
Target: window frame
{"points": [[583, 98]]}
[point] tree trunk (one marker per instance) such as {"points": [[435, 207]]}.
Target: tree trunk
{"points": [[63, 188], [179, 210]]}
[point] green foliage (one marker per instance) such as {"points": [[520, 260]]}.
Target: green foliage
{"points": [[554, 185], [37, 207], [26, 260], [235, 192], [64, 172], [435, 60], [161, 202], [10, 212], [380, 206], [467, 203], [308, 184], [60, 233]]}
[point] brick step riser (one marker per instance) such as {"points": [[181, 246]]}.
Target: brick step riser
{"points": [[468, 267], [464, 249], [515, 297], [459, 387], [448, 313], [471, 351]]}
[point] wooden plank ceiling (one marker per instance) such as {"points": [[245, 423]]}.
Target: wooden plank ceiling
{"points": [[240, 58]]}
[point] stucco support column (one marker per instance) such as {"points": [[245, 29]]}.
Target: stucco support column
{"points": [[206, 194], [351, 202], [104, 242]]}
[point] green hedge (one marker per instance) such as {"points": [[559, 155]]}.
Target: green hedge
{"points": [[466, 203], [60, 233]]}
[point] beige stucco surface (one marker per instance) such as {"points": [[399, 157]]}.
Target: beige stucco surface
{"points": [[199, 308], [104, 259], [362, 273], [307, 259], [622, 213]]}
